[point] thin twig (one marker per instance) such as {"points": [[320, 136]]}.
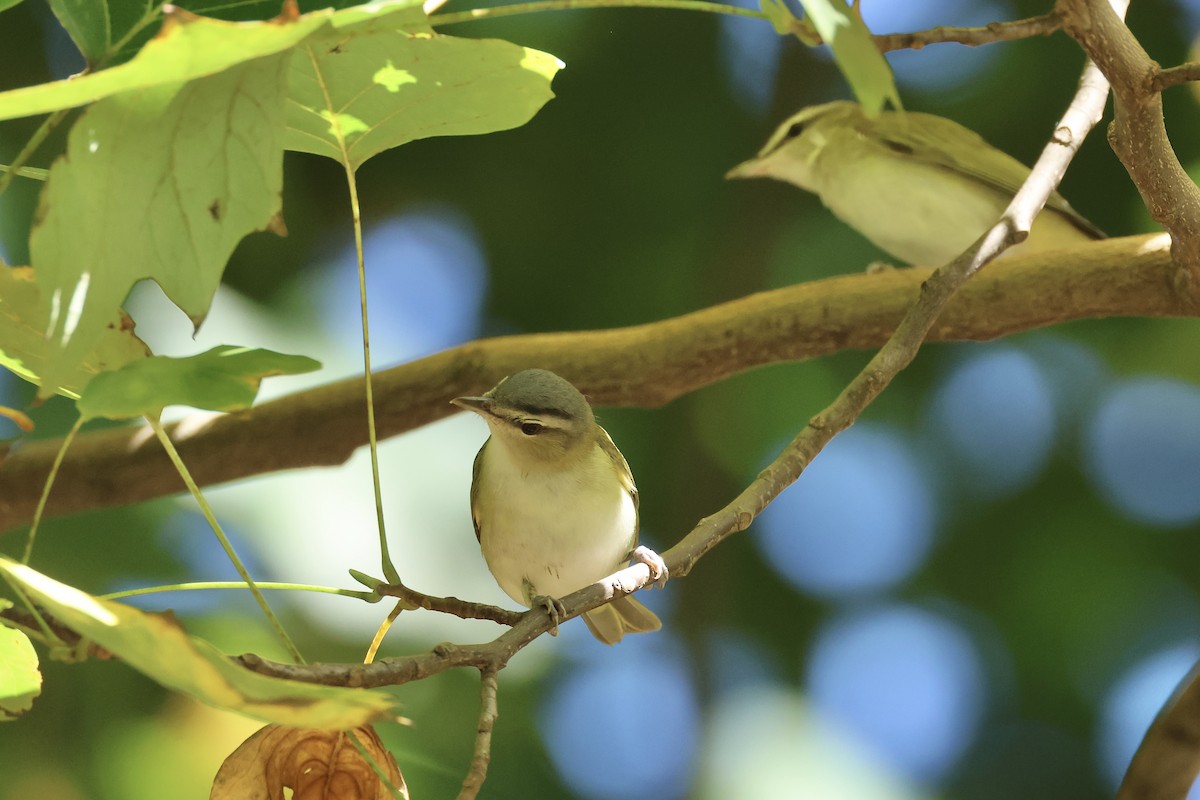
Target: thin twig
{"points": [[481, 757], [644, 366], [1174, 76], [464, 609], [1044, 25]]}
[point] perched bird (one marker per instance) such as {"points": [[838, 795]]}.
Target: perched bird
{"points": [[554, 503], [919, 186]]}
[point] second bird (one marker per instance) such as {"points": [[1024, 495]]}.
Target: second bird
{"points": [[919, 186]]}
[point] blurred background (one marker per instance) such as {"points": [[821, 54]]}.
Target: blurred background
{"points": [[985, 589]]}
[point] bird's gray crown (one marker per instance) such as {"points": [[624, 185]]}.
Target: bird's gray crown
{"points": [[542, 393]]}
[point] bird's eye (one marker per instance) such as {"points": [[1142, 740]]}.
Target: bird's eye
{"points": [[796, 129], [531, 428]]}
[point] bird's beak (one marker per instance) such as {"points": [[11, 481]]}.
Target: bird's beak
{"points": [[480, 405], [751, 168]]}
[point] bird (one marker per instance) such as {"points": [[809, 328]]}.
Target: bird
{"points": [[554, 503], [921, 187]]}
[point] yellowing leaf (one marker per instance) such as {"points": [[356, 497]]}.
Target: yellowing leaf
{"points": [[20, 678], [157, 646], [313, 764], [187, 47], [23, 321], [224, 378]]}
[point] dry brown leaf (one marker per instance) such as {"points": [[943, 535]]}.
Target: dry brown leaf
{"points": [[314, 764]]}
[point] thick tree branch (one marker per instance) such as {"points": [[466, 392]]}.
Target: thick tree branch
{"points": [[644, 365], [1165, 765], [1138, 133], [1043, 25]]}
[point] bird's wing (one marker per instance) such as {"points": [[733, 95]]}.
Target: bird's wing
{"points": [[475, 468], [623, 472], [938, 138]]}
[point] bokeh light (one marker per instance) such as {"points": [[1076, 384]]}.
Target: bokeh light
{"points": [[905, 681], [938, 67], [749, 51], [993, 416], [1143, 450], [767, 743], [626, 724], [1134, 700], [426, 278], [860, 519]]}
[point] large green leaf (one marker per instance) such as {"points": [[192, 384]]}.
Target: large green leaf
{"points": [[20, 678], [222, 379], [356, 96], [186, 48], [158, 646], [162, 184], [23, 320]]}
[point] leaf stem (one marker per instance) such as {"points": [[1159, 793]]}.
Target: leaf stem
{"points": [[207, 511], [41, 506], [570, 5], [370, 597]]}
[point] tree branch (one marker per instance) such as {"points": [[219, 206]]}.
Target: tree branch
{"points": [[1138, 134], [1174, 76], [1043, 25], [644, 365], [482, 755], [898, 352]]}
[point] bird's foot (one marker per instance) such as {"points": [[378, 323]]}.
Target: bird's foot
{"points": [[554, 609], [658, 568], [876, 267]]}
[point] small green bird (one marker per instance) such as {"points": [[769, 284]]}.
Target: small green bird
{"points": [[919, 186], [554, 503]]}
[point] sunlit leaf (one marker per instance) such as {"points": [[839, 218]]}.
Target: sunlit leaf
{"points": [[861, 63], [354, 97], [23, 321], [158, 646], [187, 47], [224, 378], [162, 184], [316, 764], [20, 678]]}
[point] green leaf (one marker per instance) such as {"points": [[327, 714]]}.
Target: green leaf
{"points": [[157, 646], [222, 379], [161, 184], [354, 97], [23, 321], [861, 63], [7, 4], [187, 47], [20, 678]]}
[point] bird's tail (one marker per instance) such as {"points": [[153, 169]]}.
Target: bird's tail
{"points": [[624, 615]]}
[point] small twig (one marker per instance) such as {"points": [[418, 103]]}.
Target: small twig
{"points": [[1174, 76], [464, 609], [482, 755], [1044, 25]]}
